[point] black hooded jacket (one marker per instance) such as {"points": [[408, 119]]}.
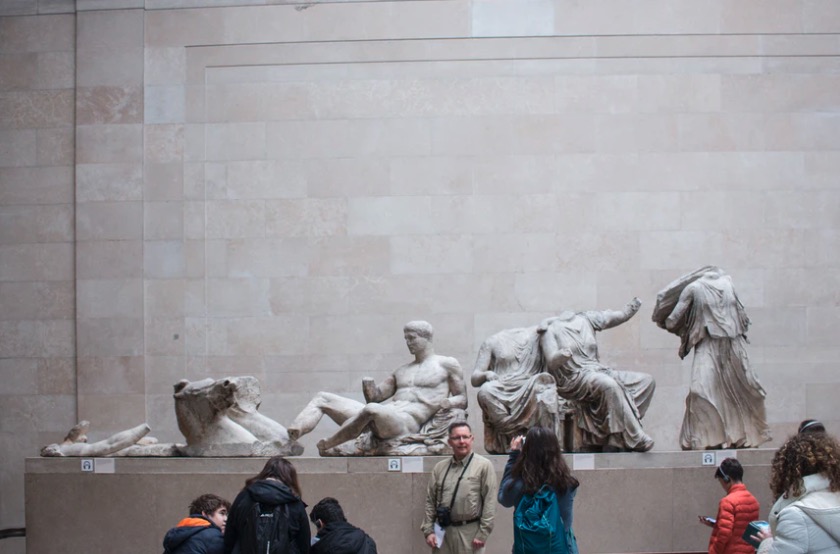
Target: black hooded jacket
{"points": [[268, 493], [343, 538], [194, 535]]}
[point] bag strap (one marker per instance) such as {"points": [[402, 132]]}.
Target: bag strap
{"points": [[457, 484]]}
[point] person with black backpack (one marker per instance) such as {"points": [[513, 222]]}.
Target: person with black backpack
{"points": [[539, 484], [268, 516], [335, 535]]}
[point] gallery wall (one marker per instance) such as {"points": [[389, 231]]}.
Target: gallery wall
{"points": [[193, 189]]}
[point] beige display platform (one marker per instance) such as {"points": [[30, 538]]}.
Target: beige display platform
{"points": [[627, 503]]}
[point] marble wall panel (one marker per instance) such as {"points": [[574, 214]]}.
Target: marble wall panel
{"points": [[109, 259], [109, 182], [346, 138], [368, 257], [163, 220], [101, 221], [238, 297], [114, 298], [111, 375], [163, 143], [678, 17], [109, 104], [163, 259], [820, 325], [18, 148], [37, 300], [165, 336], [97, 144], [165, 298], [347, 177], [36, 223], [164, 104], [259, 336], [431, 254], [55, 146], [325, 295], [110, 411], [36, 109], [555, 291], [55, 70], [115, 336], [283, 257], [36, 262], [505, 135], [306, 217], [49, 33], [164, 66], [36, 185], [163, 182]]}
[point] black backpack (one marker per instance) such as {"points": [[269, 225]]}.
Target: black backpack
{"points": [[267, 531]]}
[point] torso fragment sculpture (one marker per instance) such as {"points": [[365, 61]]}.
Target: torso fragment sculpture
{"points": [[407, 414], [725, 403], [515, 392], [220, 418], [611, 402]]}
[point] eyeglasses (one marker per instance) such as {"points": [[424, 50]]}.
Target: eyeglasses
{"points": [[461, 438]]}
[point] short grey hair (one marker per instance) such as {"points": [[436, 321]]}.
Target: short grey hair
{"points": [[422, 328]]}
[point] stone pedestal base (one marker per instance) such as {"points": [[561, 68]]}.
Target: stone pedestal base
{"points": [[628, 503]]}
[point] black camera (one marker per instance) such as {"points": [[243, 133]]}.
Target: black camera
{"points": [[444, 516]]}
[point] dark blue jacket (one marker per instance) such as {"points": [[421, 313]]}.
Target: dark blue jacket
{"points": [[343, 538], [194, 535]]}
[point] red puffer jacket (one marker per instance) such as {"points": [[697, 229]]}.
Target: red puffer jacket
{"points": [[736, 510]]}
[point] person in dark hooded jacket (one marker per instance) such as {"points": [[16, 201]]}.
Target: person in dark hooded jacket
{"points": [[335, 535], [201, 532], [277, 484]]}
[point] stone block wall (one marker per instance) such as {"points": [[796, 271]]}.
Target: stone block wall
{"points": [[37, 232], [211, 188]]}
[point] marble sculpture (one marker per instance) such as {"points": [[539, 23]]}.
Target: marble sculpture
{"points": [[406, 414], [611, 403], [220, 418], [514, 390], [76, 444], [725, 403]]}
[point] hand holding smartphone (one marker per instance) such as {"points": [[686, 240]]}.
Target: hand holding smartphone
{"points": [[707, 521]]}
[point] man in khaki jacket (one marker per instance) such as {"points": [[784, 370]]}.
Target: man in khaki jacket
{"points": [[465, 485]]}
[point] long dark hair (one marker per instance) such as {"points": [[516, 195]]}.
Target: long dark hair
{"points": [[281, 469], [541, 463]]}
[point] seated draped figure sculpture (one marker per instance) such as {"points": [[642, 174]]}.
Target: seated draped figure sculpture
{"points": [[406, 414], [611, 403], [515, 392], [531, 376]]}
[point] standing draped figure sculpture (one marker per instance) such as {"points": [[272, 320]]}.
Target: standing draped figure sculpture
{"points": [[725, 403]]}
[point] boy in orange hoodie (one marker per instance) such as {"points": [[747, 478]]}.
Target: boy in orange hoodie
{"points": [[201, 532]]}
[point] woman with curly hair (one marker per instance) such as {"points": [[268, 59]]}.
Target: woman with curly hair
{"points": [[536, 465], [806, 477]]}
